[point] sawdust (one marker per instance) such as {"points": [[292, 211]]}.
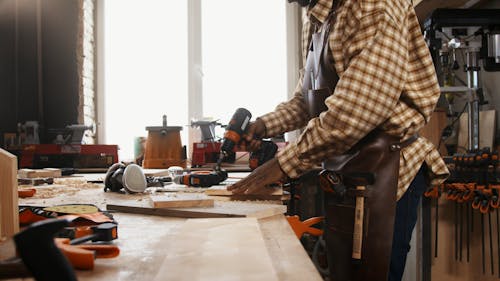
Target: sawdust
{"points": [[64, 186]]}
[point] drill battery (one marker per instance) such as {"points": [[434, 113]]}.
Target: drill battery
{"points": [[266, 152]]}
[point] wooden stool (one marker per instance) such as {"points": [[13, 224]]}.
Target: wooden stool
{"points": [[163, 147]]}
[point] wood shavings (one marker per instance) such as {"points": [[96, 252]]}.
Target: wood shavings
{"points": [[64, 186]]}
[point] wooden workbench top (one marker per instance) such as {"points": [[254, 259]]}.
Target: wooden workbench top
{"points": [[144, 239]]}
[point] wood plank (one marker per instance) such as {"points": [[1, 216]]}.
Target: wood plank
{"points": [[219, 210], [282, 242], [221, 190], [39, 173], [9, 213], [252, 197], [181, 200], [218, 249], [487, 129]]}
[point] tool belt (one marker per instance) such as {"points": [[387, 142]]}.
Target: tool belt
{"points": [[374, 164]]}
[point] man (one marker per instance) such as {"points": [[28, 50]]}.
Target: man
{"points": [[383, 81]]}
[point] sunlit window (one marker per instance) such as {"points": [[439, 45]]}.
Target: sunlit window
{"points": [[244, 56], [243, 46]]}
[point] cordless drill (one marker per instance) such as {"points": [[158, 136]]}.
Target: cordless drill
{"points": [[201, 179], [236, 128], [266, 152]]}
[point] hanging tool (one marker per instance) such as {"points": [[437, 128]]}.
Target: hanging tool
{"points": [[435, 192], [350, 184], [102, 232]]}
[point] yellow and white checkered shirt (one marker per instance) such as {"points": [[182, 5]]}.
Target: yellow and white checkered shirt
{"points": [[387, 80]]}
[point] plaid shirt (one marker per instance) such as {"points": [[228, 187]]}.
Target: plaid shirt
{"points": [[387, 80]]}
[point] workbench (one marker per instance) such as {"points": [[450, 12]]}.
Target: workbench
{"points": [[144, 239]]}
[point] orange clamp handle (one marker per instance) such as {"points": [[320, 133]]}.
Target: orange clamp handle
{"points": [[484, 208], [304, 227], [82, 256], [79, 258], [26, 192], [432, 193], [476, 205], [495, 203]]}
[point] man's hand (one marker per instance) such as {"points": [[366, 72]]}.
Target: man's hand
{"points": [[256, 131], [255, 183]]}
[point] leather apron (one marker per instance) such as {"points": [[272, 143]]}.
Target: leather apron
{"points": [[378, 154]]}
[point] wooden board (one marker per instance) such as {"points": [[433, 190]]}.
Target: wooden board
{"points": [[219, 210], [221, 190], [181, 200], [487, 129], [218, 249], [252, 197], [39, 173], [9, 213]]}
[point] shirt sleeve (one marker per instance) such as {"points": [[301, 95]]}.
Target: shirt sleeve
{"points": [[366, 93]]}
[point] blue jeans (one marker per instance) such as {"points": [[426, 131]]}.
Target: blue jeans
{"points": [[406, 218]]}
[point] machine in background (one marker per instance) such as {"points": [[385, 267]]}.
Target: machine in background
{"points": [[475, 32], [68, 151]]}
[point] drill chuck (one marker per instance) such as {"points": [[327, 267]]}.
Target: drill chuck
{"points": [[237, 126]]}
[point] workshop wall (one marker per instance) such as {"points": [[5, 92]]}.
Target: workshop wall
{"points": [[39, 70]]}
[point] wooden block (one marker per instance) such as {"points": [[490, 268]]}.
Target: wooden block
{"points": [[9, 213], [181, 200], [218, 249], [487, 128], [39, 173], [219, 210]]}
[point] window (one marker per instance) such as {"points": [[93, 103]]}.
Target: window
{"points": [[244, 56], [146, 63]]}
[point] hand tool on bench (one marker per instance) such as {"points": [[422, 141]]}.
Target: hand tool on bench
{"points": [[35, 181], [102, 232], [38, 252], [26, 192], [82, 256], [202, 178]]}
